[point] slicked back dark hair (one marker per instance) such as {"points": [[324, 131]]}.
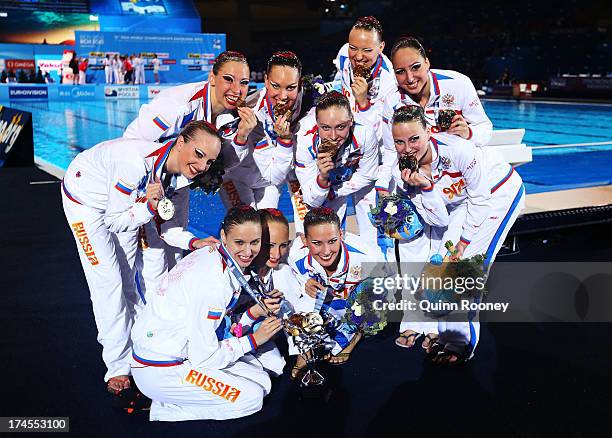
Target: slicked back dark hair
{"points": [[408, 42], [192, 128], [333, 98], [371, 24], [320, 215], [240, 215], [284, 59], [409, 113], [273, 215], [228, 56]]}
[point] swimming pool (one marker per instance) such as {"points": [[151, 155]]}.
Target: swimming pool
{"points": [[63, 129]]}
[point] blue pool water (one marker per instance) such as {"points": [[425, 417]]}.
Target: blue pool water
{"points": [[63, 129]]}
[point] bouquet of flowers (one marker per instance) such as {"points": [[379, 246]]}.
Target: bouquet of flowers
{"points": [[210, 182], [446, 281], [361, 313], [396, 217]]}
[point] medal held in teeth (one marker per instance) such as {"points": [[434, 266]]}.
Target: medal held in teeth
{"points": [[408, 161], [328, 146], [362, 71]]}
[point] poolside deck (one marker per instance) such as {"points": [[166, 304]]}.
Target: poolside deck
{"points": [[567, 199]]}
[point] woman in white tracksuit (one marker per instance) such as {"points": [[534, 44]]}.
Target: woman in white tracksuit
{"points": [[260, 176], [433, 90], [215, 101], [271, 274], [116, 65], [108, 192], [483, 195], [328, 265], [415, 252], [178, 360], [364, 51], [329, 178], [107, 62]]}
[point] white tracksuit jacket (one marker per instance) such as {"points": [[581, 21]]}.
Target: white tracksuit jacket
{"points": [[356, 166], [348, 275], [103, 195], [178, 359], [268, 161], [448, 90]]}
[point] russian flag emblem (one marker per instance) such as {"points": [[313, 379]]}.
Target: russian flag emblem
{"points": [[214, 314], [160, 123]]}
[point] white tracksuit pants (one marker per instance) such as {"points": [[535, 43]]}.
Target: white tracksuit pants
{"points": [[507, 204], [117, 75], [152, 261], [108, 262], [181, 393], [108, 75], [363, 200], [413, 255], [139, 72]]}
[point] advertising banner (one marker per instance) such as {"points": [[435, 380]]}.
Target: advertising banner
{"points": [[121, 92], [20, 64], [182, 57], [28, 92], [154, 90]]}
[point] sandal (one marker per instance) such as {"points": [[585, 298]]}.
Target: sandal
{"points": [[434, 349], [450, 357], [408, 337], [345, 355], [430, 338]]}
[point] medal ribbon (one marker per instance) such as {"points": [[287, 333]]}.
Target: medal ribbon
{"points": [[244, 284]]}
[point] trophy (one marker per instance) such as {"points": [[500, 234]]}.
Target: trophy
{"points": [[311, 335]]}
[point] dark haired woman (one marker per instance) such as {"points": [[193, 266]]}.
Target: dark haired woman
{"points": [[271, 275], [271, 267], [434, 90], [216, 101], [335, 156], [366, 77], [259, 178], [108, 192], [483, 196], [178, 360], [328, 269], [365, 73]]}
